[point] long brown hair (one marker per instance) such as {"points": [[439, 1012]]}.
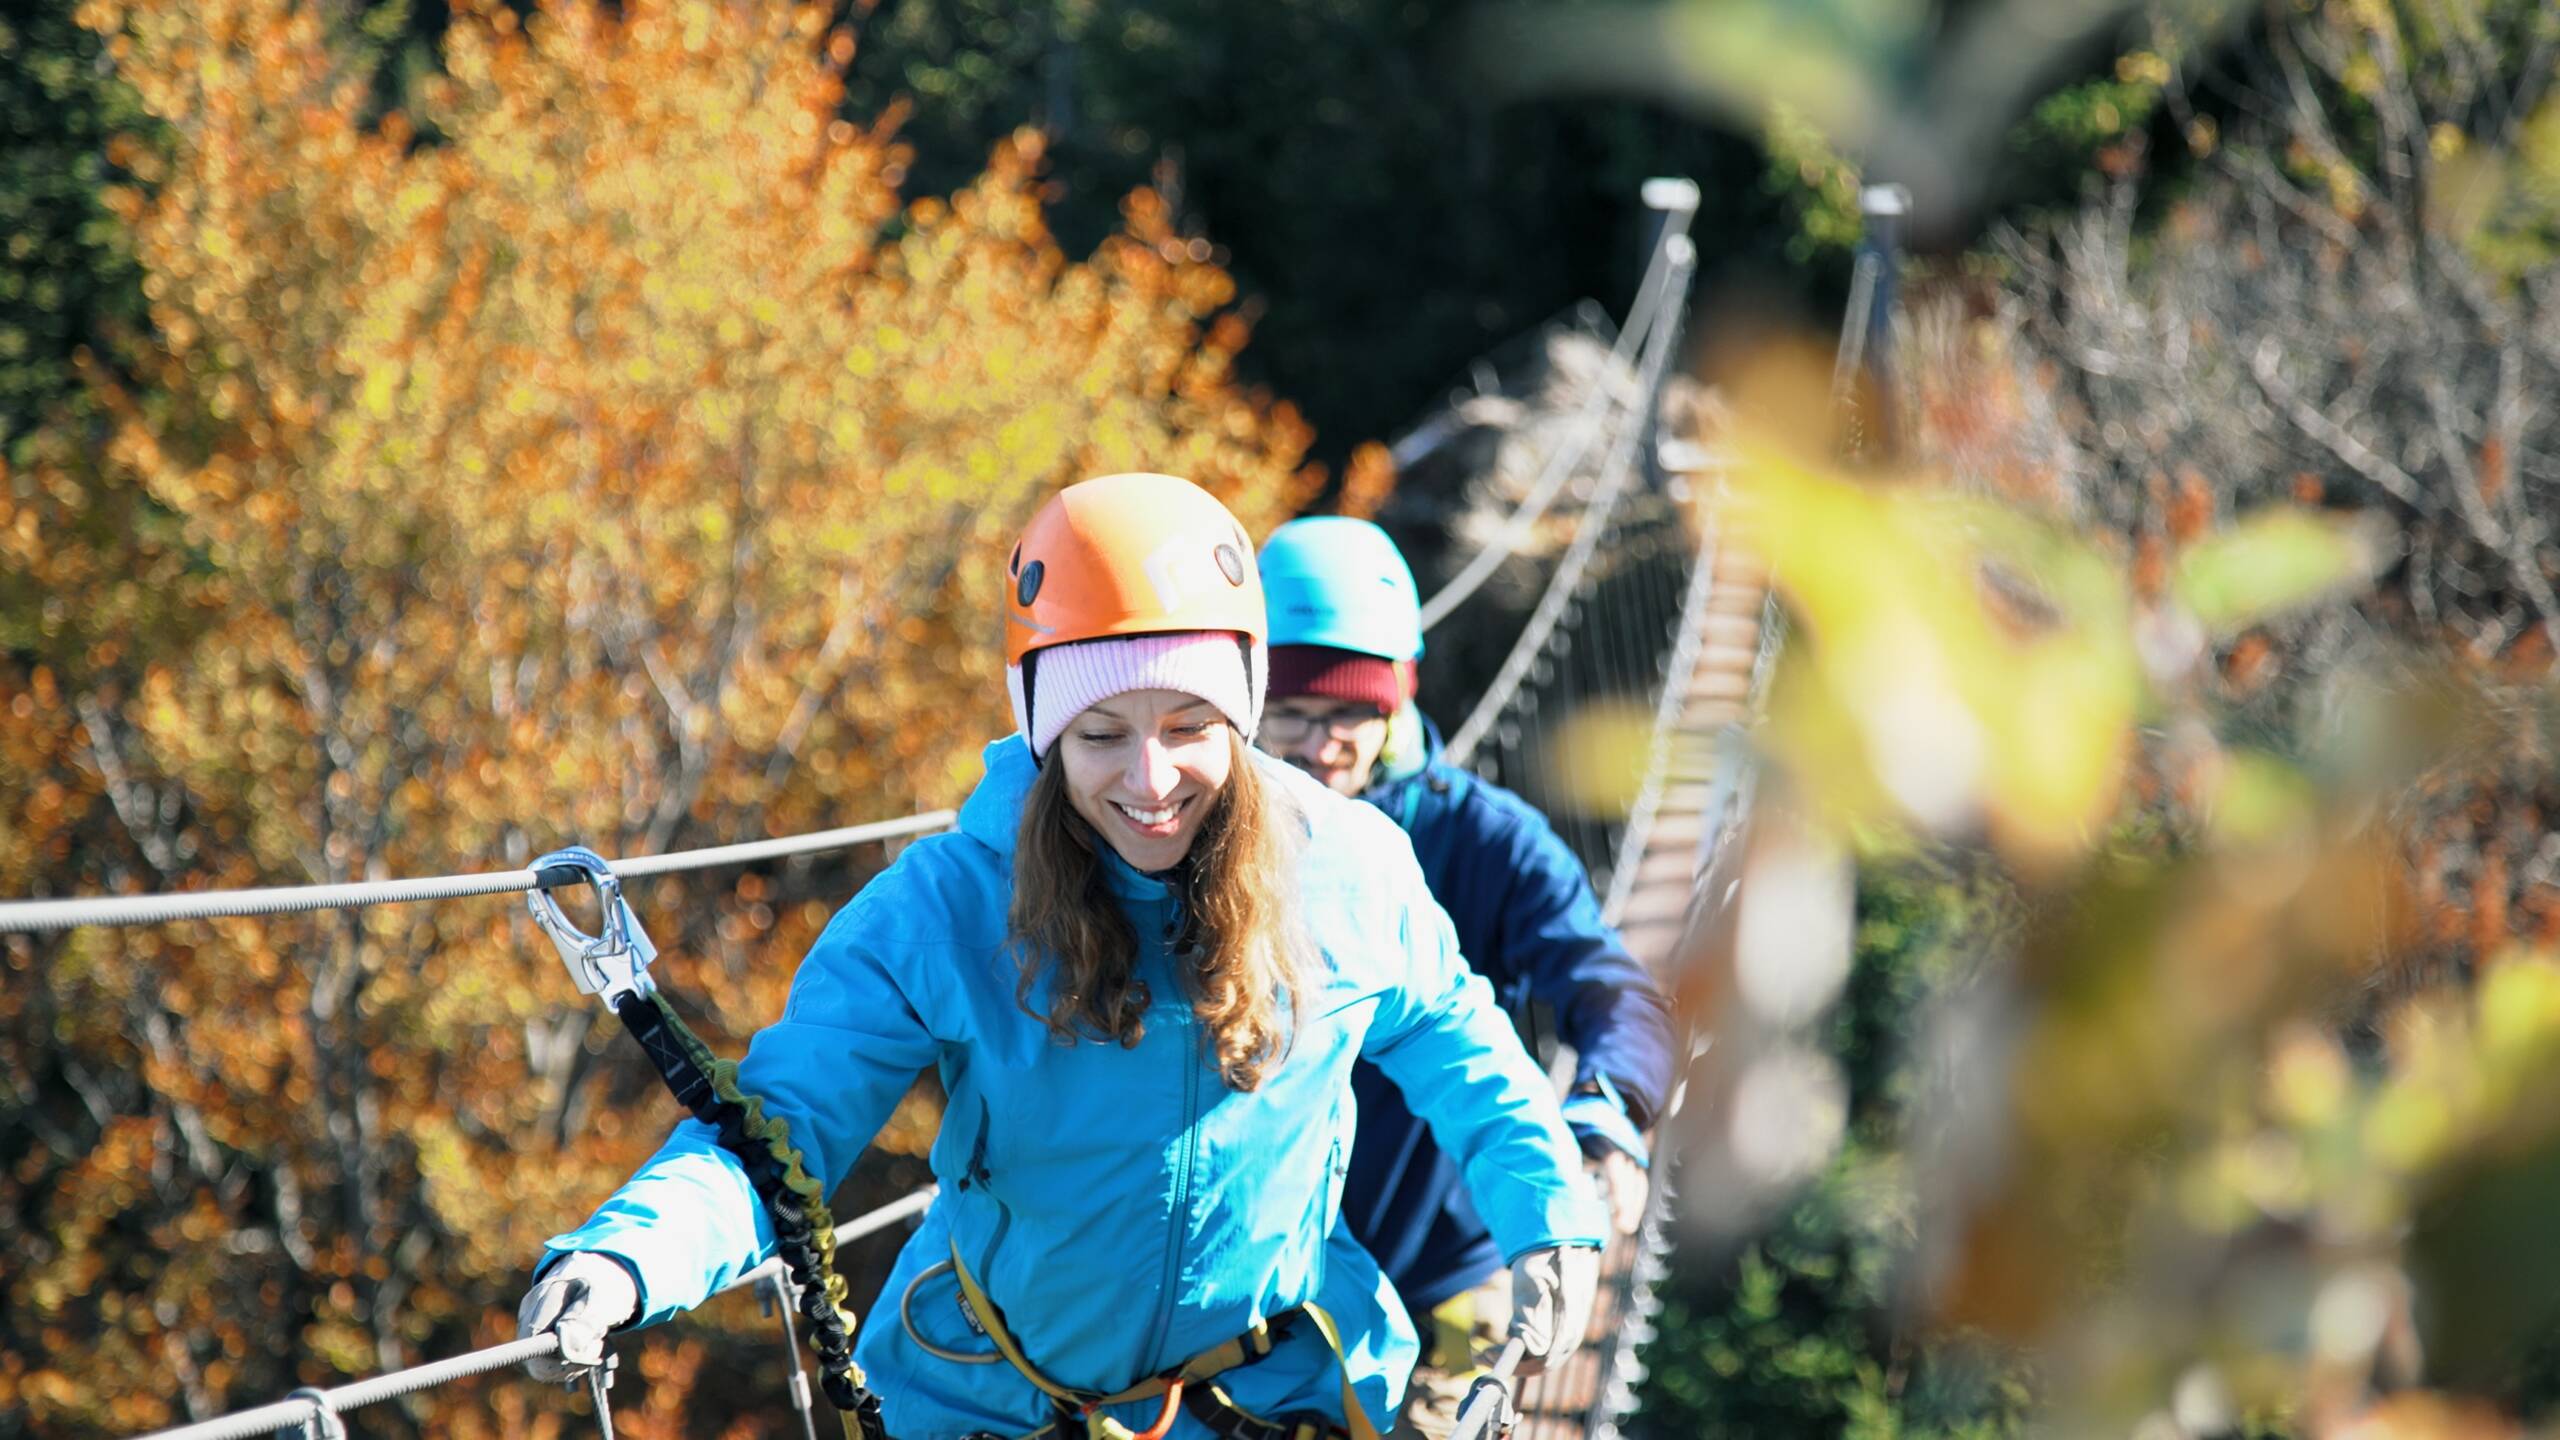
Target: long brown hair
{"points": [[1241, 951]]}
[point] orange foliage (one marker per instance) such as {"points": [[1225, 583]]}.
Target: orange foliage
{"points": [[2190, 512], [601, 453], [1368, 479], [2249, 663]]}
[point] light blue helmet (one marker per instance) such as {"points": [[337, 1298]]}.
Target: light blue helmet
{"points": [[1334, 581]]}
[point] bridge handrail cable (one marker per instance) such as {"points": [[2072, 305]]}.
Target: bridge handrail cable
{"points": [[301, 1408]]}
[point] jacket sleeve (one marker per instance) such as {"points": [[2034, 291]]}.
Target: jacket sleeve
{"points": [[1445, 1043], [849, 1043], [1607, 1006]]}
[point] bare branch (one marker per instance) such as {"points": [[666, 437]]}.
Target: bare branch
{"points": [[2511, 544], [2262, 172], [189, 1122], [136, 806], [2311, 421], [820, 682], [2451, 448]]}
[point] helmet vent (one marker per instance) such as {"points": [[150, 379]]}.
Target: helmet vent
{"points": [[1231, 564], [1027, 589]]}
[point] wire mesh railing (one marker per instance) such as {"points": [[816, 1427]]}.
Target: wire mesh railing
{"points": [[1577, 693]]}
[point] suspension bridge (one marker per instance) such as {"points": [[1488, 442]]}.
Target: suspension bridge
{"points": [[1642, 613]]}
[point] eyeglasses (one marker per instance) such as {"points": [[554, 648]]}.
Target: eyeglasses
{"points": [[1283, 727]]}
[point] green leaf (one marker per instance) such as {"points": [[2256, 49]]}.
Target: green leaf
{"points": [[2278, 560]]}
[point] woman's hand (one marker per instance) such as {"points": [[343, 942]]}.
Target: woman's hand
{"points": [[583, 1298], [1617, 1153], [1623, 1181], [1551, 1294]]}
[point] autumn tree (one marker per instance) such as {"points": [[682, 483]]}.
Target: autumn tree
{"points": [[2349, 302], [65, 275], [599, 452]]}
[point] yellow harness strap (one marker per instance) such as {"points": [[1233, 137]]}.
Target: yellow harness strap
{"points": [[1303, 1430], [1216, 1360]]}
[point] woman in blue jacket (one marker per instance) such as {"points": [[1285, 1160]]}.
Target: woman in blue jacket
{"points": [[1146, 1041], [1346, 636]]}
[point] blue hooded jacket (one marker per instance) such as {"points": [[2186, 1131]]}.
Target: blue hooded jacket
{"points": [[1123, 1208], [1527, 921]]}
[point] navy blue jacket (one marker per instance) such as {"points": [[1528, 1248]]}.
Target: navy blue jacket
{"points": [[1528, 922]]}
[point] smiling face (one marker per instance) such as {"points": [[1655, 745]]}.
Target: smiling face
{"points": [[1336, 741], [1143, 769]]}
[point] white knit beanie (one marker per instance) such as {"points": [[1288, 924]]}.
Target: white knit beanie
{"points": [[1069, 679]]}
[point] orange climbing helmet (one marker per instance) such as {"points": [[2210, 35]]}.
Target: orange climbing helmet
{"points": [[1122, 557], [1133, 554]]}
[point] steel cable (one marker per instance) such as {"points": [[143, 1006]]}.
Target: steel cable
{"points": [[38, 916], [281, 1414]]}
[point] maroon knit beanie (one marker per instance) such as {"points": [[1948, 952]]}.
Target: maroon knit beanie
{"points": [[1341, 675]]}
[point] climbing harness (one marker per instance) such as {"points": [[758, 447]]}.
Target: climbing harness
{"points": [[614, 966], [1187, 1387]]}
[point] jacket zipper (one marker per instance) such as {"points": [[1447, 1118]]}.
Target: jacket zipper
{"points": [[978, 1174], [1336, 1167], [1181, 1197]]}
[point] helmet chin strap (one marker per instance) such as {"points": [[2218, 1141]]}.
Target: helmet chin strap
{"points": [[1030, 699]]}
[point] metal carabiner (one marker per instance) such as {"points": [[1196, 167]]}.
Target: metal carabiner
{"points": [[324, 1422], [613, 964], [1488, 1411]]}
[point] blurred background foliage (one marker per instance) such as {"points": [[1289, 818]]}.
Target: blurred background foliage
{"points": [[2187, 673], [2177, 681]]}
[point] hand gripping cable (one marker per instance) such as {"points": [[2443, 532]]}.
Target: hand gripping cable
{"points": [[615, 966]]}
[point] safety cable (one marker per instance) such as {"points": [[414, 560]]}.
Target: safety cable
{"points": [[794, 1200], [1486, 1411], [38, 916], [282, 1414]]}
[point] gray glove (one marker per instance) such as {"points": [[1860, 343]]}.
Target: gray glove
{"points": [[1551, 1294], [583, 1297]]}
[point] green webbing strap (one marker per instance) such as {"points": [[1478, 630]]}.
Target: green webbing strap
{"points": [[804, 1233], [614, 965]]}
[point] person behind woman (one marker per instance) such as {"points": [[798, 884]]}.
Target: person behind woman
{"points": [[1144, 965], [1346, 635]]}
